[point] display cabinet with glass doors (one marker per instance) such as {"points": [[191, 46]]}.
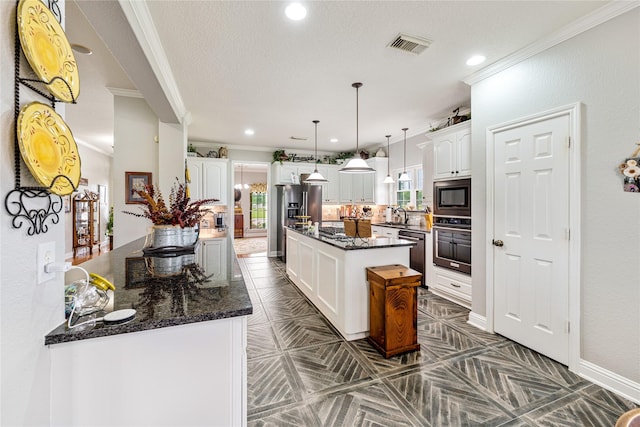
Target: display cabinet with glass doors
{"points": [[86, 221]]}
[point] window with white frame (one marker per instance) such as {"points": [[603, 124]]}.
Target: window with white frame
{"points": [[409, 193]]}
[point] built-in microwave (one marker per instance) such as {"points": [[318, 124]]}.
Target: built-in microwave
{"points": [[452, 197]]}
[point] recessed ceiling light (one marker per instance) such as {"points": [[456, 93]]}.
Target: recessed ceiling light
{"points": [[333, 140], [249, 132], [295, 11], [475, 60]]}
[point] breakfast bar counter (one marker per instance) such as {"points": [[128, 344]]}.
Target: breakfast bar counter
{"points": [[180, 361], [331, 272]]}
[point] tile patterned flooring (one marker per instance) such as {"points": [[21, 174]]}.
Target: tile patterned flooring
{"points": [[301, 372]]}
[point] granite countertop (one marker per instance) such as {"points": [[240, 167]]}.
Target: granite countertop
{"points": [[164, 291], [213, 233], [357, 243]]}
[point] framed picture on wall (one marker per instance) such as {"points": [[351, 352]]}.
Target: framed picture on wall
{"points": [[135, 180]]}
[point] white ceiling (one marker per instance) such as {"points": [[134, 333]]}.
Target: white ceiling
{"points": [[243, 64]]}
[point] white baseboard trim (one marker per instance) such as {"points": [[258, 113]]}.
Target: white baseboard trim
{"points": [[609, 380], [478, 321]]}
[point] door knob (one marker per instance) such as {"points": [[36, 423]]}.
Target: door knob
{"points": [[498, 243]]}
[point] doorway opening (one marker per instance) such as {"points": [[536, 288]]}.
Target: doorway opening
{"points": [[250, 207]]}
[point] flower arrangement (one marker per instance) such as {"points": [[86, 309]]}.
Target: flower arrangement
{"points": [[180, 211], [631, 170]]}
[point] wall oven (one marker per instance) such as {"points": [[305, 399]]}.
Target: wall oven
{"points": [[452, 197], [452, 243]]}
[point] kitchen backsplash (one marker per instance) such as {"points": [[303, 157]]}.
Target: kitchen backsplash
{"points": [[209, 220], [378, 214], [336, 212]]}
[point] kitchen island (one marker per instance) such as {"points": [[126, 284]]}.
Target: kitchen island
{"points": [[181, 361], [331, 272]]}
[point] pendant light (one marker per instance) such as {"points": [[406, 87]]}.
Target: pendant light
{"points": [[357, 164], [405, 176], [388, 179], [316, 177], [241, 185]]}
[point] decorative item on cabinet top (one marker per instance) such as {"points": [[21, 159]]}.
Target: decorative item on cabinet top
{"points": [[452, 120], [630, 169]]}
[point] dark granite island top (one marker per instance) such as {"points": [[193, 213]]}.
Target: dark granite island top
{"points": [[164, 291], [356, 243]]}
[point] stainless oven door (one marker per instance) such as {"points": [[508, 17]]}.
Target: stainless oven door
{"points": [[452, 248]]}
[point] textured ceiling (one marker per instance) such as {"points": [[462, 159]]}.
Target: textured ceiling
{"points": [[242, 64]]}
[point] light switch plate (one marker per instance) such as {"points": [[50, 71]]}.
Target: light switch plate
{"points": [[46, 254]]}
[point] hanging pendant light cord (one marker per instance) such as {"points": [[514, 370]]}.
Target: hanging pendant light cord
{"points": [[405, 148], [388, 153], [316, 144], [357, 86]]}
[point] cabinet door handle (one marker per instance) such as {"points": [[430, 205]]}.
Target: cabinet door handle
{"points": [[498, 243]]}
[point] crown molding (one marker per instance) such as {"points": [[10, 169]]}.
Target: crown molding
{"points": [[139, 17], [129, 93], [585, 23]]}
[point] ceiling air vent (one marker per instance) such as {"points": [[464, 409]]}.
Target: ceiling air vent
{"points": [[411, 44]]}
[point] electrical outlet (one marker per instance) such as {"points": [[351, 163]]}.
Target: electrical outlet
{"points": [[46, 254]]}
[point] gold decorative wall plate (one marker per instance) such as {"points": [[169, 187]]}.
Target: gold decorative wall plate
{"points": [[47, 49], [48, 148]]}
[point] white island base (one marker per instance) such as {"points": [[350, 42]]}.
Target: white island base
{"points": [[186, 375], [335, 279]]}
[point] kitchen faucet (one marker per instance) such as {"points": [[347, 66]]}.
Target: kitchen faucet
{"points": [[404, 211]]}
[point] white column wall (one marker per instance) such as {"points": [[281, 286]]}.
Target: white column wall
{"points": [[172, 146], [28, 310], [135, 150]]}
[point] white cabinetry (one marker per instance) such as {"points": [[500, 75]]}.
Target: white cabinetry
{"points": [[452, 152], [206, 379], [214, 257], [331, 189], [367, 187], [452, 285], [283, 172], [381, 190], [208, 179], [357, 188], [382, 231]]}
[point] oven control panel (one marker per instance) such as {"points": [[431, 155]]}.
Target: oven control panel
{"points": [[452, 222]]}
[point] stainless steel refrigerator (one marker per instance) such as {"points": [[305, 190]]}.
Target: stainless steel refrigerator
{"points": [[293, 201]]}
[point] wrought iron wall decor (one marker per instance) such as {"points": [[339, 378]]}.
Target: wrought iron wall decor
{"points": [[34, 206]]}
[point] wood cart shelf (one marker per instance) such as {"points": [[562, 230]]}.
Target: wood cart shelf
{"points": [[393, 306]]}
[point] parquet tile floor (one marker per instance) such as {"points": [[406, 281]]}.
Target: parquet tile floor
{"points": [[301, 372]]}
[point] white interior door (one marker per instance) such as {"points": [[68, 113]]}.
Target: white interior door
{"points": [[531, 235]]}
